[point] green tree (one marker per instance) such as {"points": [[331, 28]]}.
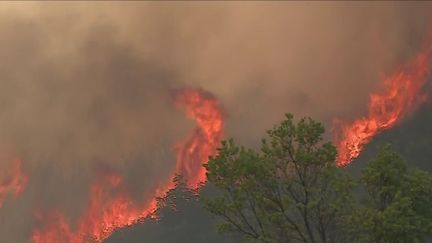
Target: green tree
{"points": [[398, 202], [289, 191]]}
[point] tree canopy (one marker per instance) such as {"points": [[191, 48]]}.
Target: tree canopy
{"points": [[290, 190], [397, 206]]}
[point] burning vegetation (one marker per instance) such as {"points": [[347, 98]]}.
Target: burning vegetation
{"points": [[400, 94], [110, 207], [14, 183]]}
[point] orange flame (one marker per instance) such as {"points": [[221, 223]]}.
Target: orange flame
{"points": [[15, 183], [110, 206], [402, 93], [193, 152]]}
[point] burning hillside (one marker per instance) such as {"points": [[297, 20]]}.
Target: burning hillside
{"points": [[110, 207], [400, 95]]}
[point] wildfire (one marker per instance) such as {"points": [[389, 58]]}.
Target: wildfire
{"points": [[110, 206], [14, 183], [401, 94], [193, 152]]}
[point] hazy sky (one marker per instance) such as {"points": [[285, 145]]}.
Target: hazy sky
{"points": [[86, 85]]}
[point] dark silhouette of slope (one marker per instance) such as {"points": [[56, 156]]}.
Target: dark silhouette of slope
{"points": [[190, 223], [180, 219]]}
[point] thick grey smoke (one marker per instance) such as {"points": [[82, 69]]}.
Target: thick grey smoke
{"points": [[84, 85]]}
